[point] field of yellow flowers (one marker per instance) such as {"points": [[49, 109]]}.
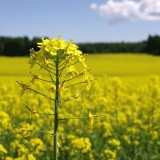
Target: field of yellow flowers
{"points": [[126, 93]]}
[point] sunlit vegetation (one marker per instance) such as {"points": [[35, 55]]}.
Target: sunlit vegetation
{"points": [[127, 94]]}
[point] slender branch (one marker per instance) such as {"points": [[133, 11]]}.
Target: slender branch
{"points": [[74, 77], [62, 63], [95, 116], [51, 78], [44, 80], [65, 100], [74, 84], [52, 65], [71, 64], [73, 118], [45, 68], [41, 94], [41, 132], [35, 130], [61, 70], [39, 112]]}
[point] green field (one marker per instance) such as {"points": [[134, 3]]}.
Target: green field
{"points": [[127, 94]]}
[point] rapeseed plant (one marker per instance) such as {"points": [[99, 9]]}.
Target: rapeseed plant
{"points": [[58, 58]]}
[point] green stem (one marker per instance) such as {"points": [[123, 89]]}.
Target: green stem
{"points": [[75, 84], [48, 114], [56, 110], [68, 118], [52, 78], [61, 70], [46, 68], [71, 64], [41, 132], [44, 80], [35, 130], [38, 92], [41, 94], [73, 77], [73, 118]]}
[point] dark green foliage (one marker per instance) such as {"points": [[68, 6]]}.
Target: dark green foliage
{"points": [[20, 46], [17, 46], [153, 45], [122, 47]]}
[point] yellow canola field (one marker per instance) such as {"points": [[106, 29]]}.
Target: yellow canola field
{"points": [[127, 94]]}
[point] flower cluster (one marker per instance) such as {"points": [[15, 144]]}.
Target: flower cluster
{"points": [[49, 48], [58, 58]]}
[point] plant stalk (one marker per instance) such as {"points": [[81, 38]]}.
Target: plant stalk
{"points": [[56, 111]]}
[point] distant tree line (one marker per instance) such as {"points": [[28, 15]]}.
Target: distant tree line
{"points": [[20, 46]]}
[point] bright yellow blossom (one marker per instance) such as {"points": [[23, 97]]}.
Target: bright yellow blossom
{"points": [[52, 88], [91, 118], [25, 131], [77, 95], [89, 82], [81, 58], [110, 155], [72, 71], [34, 77], [61, 88], [33, 111], [24, 86], [2, 149], [85, 73], [31, 157]]}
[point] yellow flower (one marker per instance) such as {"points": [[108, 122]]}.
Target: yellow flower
{"points": [[114, 143], [35, 56], [80, 144], [52, 45], [61, 43], [2, 149], [32, 59], [45, 62], [77, 95], [25, 131], [34, 77], [89, 82], [61, 88], [31, 157], [110, 154], [91, 119], [24, 87], [8, 158], [71, 48], [69, 58], [127, 139], [72, 71], [36, 146], [52, 88], [85, 73], [81, 58], [33, 111]]}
